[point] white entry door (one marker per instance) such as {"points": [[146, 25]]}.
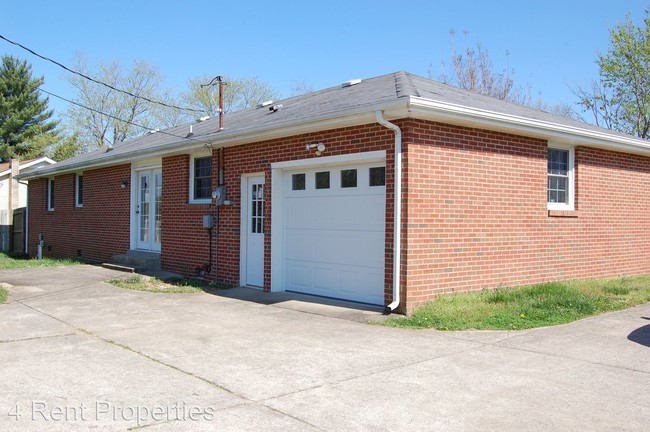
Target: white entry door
{"points": [[254, 271], [147, 210]]}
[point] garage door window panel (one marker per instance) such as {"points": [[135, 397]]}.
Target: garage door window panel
{"points": [[298, 181], [348, 178], [323, 180], [377, 176]]}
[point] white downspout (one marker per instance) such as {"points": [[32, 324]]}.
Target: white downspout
{"points": [[397, 204], [26, 227]]}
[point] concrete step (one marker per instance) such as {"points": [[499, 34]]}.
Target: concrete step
{"points": [[119, 267], [141, 260]]}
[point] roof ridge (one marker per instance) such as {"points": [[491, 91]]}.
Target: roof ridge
{"points": [[404, 85]]}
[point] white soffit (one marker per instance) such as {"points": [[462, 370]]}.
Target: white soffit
{"points": [[466, 116]]}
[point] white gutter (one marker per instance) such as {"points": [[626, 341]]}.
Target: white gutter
{"points": [[397, 207], [526, 126], [227, 138], [26, 222]]}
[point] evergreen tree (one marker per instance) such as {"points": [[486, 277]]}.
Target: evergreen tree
{"points": [[23, 113]]}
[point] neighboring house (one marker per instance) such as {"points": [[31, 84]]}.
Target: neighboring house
{"points": [[490, 194], [13, 195]]}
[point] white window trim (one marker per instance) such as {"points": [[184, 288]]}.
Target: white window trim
{"points": [[76, 190], [192, 200], [570, 206], [50, 204]]}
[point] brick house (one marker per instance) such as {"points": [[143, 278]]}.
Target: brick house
{"points": [[491, 194], [13, 196]]}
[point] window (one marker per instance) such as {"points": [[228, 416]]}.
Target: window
{"points": [[377, 176], [298, 182], [79, 191], [560, 191], [201, 179], [348, 178], [323, 180], [257, 209], [50, 194]]}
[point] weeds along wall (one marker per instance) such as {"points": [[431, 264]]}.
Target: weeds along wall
{"points": [[474, 211], [476, 206]]}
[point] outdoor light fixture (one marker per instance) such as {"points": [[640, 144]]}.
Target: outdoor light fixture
{"points": [[320, 148], [124, 184]]}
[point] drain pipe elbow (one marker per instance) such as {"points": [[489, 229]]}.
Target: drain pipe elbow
{"points": [[397, 207]]}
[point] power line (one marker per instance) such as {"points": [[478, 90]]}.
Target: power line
{"points": [[114, 117], [99, 82]]}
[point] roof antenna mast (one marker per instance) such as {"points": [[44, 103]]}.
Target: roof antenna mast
{"points": [[218, 79]]}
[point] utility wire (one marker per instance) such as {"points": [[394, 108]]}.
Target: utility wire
{"points": [[115, 118], [99, 82]]}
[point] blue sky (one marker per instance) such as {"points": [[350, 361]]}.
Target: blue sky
{"points": [[552, 44]]}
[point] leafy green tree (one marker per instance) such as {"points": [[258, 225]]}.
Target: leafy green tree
{"points": [[23, 113], [238, 94], [620, 98], [54, 146], [66, 148]]}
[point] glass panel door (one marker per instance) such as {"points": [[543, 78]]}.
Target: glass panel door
{"points": [[157, 210], [144, 185], [149, 209]]}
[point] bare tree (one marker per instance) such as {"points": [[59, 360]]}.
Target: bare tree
{"points": [[109, 117], [238, 94], [597, 101], [301, 87], [473, 70]]}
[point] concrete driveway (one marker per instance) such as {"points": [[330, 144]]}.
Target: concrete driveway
{"points": [[77, 353]]}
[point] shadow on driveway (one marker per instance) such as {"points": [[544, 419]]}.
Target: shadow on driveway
{"points": [[641, 335], [317, 305]]}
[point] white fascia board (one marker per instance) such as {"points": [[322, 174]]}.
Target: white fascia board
{"points": [[372, 156], [332, 120], [29, 164], [459, 114], [337, 119], [37, 161]]}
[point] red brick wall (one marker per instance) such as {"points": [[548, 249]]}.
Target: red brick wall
{"points": [[185, 242], [475, 202], [96, 231], [478, 218]]}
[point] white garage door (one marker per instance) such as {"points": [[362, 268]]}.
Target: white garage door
{"points": [[334, 228]]}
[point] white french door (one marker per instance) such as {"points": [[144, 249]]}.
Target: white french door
{"points": [[147, 210]]}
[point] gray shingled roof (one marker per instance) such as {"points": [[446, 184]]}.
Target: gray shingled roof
{"points": [[328, 103]]}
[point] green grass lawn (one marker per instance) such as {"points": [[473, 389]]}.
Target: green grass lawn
{"points": [[8, 261], [150, 284], [3, 295], [529, 306]]}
